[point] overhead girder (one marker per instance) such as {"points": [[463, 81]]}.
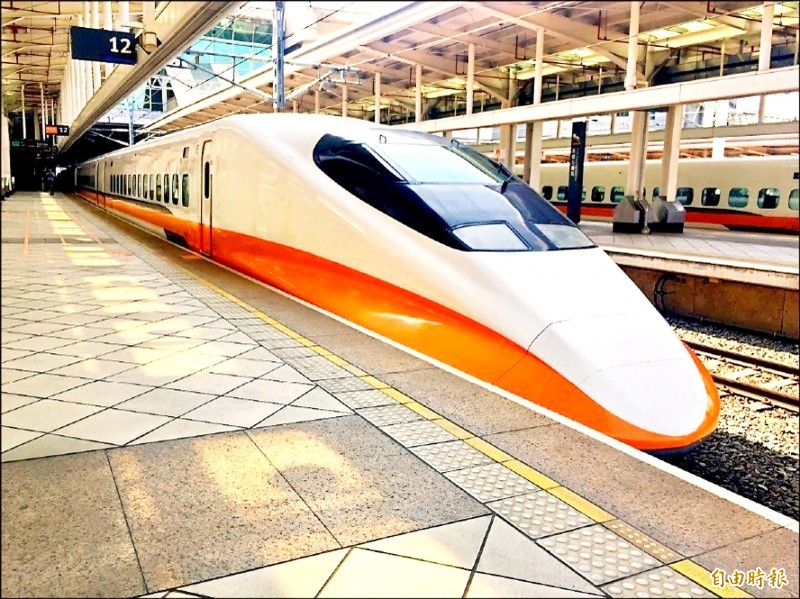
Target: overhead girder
{"points": [[572, 30], [427, 61]]}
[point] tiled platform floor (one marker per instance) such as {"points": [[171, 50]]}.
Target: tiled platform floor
{"points": [[190, 445]]}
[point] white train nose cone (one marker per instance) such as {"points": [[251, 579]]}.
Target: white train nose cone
{"points": [[633, 365]]}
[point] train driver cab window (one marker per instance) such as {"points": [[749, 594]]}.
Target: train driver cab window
{"points": [[547, 192], [794, 199], [768, 198], [175, 189], [158, 188], [563, 190], [166, 189], [710, 196], [685, 195], [617, 193], [185, 196], [598, 193], [738, 197]]}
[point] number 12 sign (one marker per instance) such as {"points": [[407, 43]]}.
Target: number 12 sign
{"points": [[102, 45]]}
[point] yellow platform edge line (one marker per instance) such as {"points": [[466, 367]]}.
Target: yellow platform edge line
{"points": [[584, 506], [701, 576], [397, 395], [452, 428], [376, 383], [486, 448], [531, 474], [426, 413]]}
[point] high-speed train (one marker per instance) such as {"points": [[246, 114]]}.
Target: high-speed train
{"points": [[426, 242], [754, 194]]}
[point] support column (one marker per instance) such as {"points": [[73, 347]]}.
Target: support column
{"points": [[378, 98], [316, 101], [531, 171], [43, 110], [344, 100], [124, 16], [633, 49], [38, 130], [418, 98], [765, 49], [672, 146], [508, 133], [148, 15], [96, 78], [638, 153], [24, 115], [88, 77], [470, 77], [722, 58], [108, 24]]}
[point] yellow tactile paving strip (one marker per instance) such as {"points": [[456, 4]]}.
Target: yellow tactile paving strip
{"points": [[686, 567]]}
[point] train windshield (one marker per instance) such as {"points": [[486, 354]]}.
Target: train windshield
{"points": [[448, 192]]}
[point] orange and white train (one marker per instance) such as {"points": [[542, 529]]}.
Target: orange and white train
{"points": [[746, 193], [428, 243]]}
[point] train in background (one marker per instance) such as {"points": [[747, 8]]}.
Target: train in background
{"points": [[428, 243], [746, 193]]}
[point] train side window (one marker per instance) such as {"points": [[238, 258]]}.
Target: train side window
{"points": [[158, 188], [175, 189], [136, 180], [547, 192], [685, 195], [768, 198], [562, 192], [206, 180], [710, 196], [617, 193], [185, 195], [166, 189], [598, 193], [738, 197], [583, 194], [153, 187], [656, 192], [794, 199]]}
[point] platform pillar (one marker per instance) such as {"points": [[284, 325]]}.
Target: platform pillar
{"points": [[531, 170], [316, 101], [470, 77], [672, 146], [24, 115], [378, 98], [37, 129], [344, 100], [633, 48], [765, 49], [124, 16], [108, 24], [88, 77], [418, 97], [96, 75], [639, 130], [43, 110]]}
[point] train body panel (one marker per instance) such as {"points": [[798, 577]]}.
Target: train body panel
{"points": [[253, 193], [736, 193]]}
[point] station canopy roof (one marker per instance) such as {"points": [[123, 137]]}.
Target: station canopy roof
{"points": [[336, 45]]}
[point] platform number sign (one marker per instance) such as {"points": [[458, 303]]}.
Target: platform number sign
{"points": [[102, 45]]}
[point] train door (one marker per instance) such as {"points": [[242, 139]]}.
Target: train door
{"points": [[206, 189]]}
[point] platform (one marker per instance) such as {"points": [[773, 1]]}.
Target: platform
{"points": [[766, 259], [173, 429]]}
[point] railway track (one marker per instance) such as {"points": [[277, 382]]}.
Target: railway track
{"points": [[750, 376]]}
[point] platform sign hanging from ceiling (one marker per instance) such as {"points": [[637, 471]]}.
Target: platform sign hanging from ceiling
{"points": [[56, 130], [102, 45]]}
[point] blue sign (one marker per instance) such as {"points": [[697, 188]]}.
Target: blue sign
{"points": [[102, 45]]}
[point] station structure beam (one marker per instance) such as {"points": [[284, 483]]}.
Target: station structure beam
{"points": [[531, 170], [377, 98], [773, 81]]}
